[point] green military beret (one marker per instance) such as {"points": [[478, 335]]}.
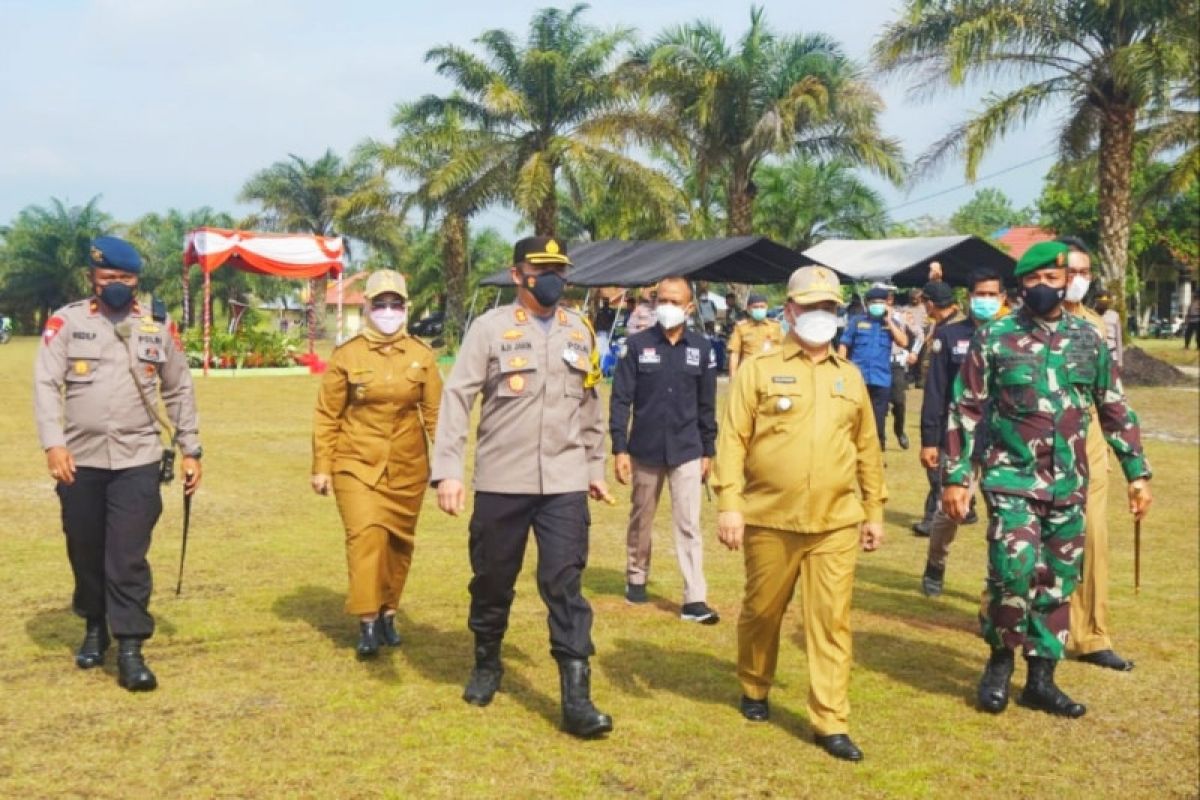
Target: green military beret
{"points": [[1042, 255]]}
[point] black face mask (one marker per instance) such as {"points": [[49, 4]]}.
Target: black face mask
{"points": [[117, 296], [546, 288], [1042, 299]]}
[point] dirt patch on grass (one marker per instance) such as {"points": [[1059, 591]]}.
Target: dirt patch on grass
{"points": [[1142, 369]]}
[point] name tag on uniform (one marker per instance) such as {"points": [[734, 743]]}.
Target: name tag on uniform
{"points": [[649, 356], [961, 347], [783, 379], [864, 326], [693, 356]]}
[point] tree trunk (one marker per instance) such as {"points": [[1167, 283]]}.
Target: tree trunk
{"points": [[545, 220], [1116, 170], [741, 220], [320, 288], [454, 263]]}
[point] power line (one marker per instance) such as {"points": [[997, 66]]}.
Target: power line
{"points": [[977, 181]]}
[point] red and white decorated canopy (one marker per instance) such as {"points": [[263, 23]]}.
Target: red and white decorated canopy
{"points": [[284, 255]]}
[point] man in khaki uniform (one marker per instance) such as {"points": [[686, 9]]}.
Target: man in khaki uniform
{"points": [[378, 401], [795, 450], [110, 359], [1089, 637], [539, 454], [754, 334]]}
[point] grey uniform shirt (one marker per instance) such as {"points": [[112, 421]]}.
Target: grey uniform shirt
{"points": [[540, 430], [84, 397]]}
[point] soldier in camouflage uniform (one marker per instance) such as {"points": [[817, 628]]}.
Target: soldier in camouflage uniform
{"points": [[1043, 369]]}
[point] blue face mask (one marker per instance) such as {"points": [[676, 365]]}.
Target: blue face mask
{"points": [[758, 314], [877, 309], [985, 309]]}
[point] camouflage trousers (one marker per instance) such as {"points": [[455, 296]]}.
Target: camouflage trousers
{"points": [[1035, 554]]}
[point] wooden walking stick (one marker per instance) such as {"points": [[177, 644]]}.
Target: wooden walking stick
{"points": [[1137, 556]]}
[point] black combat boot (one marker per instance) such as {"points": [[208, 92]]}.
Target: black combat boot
{"points": [[1042, 693], [485, 677], [933, 579], [368, 639], [580, 717], [993, 686], [95, 643], [387, 630], [132, 672]]}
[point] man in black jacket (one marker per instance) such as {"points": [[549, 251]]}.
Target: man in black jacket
{"points": [[668, 377]]}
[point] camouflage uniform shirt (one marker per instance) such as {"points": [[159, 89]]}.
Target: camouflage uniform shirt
{"points": [[1042, 377]]}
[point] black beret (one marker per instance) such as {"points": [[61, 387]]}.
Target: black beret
{"points": [[939, 293], [540, 250], [109, 252]]}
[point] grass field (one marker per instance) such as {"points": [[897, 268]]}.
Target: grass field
{"points": [[261, 695], [1170, 351]]}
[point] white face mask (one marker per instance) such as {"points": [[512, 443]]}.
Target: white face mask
{"points": [[815, 327], [1077, 288], [388, 320], [670, 316]]}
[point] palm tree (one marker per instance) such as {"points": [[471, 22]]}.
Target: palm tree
{"points": [[1108, 62], [769, 94], [802, 202], [554, 105], [44, 255], [326, 197]]}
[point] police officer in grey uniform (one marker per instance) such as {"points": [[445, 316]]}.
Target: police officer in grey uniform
{"points": [[100, 367], [540, 453]]}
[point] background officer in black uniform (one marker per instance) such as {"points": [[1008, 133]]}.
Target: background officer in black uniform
{"points": [[97, 377]]}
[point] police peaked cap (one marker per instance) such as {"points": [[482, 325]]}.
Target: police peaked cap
{"points": [[109, 252], [877, 293], [540, 250], [1042, 255]]}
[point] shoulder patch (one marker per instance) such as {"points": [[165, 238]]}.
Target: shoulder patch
{"points": [[53, 326]]}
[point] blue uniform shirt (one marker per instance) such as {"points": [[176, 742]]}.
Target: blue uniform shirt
{"points": [[869, 345]]}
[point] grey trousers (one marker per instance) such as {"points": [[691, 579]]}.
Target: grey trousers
{"points": [[686, 487]]}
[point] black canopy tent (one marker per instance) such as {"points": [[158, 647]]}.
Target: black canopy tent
{"points": [[740, 259], [905, 262]]}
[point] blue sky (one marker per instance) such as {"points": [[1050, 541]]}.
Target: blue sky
{"points": [[158, 104]]}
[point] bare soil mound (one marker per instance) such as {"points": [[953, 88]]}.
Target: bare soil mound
{"points": [[1142, 369]]}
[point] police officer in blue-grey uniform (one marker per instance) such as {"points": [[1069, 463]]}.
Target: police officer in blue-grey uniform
{"points": [[867, 341], [101, 366]]}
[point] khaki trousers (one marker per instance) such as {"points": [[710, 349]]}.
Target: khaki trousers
{"points": [[1089, 604], [685, 486], [824, 564], [381, 524], [943, 530]]}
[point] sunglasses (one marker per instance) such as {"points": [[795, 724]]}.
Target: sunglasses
{"points": [[391, 305]]}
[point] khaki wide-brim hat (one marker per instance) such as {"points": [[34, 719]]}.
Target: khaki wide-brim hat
{"points": [[384, 281], [810, 285]]}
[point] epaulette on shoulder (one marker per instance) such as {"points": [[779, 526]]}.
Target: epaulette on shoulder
{"points": [[421, 342], [350, 341]]}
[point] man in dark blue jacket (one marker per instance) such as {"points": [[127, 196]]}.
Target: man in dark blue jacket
{"points": [[668, 377], [867, 341], [947, 350]]}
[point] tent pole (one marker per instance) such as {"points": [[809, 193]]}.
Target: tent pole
{"points": [[186, 299], [207, 319], [471, 309], [340, 333], [497, 303], [311, 314]]}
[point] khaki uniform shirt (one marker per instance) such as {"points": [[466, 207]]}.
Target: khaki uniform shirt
{"points": [[104, 421], [749, 338], [797, 448], [377, 404], [540, 429]]}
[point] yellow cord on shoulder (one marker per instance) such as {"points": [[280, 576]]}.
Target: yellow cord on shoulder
{"points": [[594, 375]]}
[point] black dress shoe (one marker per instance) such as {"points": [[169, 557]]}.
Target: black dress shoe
{"points": [[902, 440], [1042, 694], [921, 528], [387, 630], [755, 710], [933, 579], [971, 518], [840, 746], [95, 643], [368, 639], [1107, 658], [994, 684], [132, 672]]}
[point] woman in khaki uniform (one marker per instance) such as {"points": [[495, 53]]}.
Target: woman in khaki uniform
{"points": [[376, 414]]}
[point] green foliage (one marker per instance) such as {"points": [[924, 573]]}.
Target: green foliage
{"points": [[248, 347], [987, 212], [800, 203], [44, 258]]}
